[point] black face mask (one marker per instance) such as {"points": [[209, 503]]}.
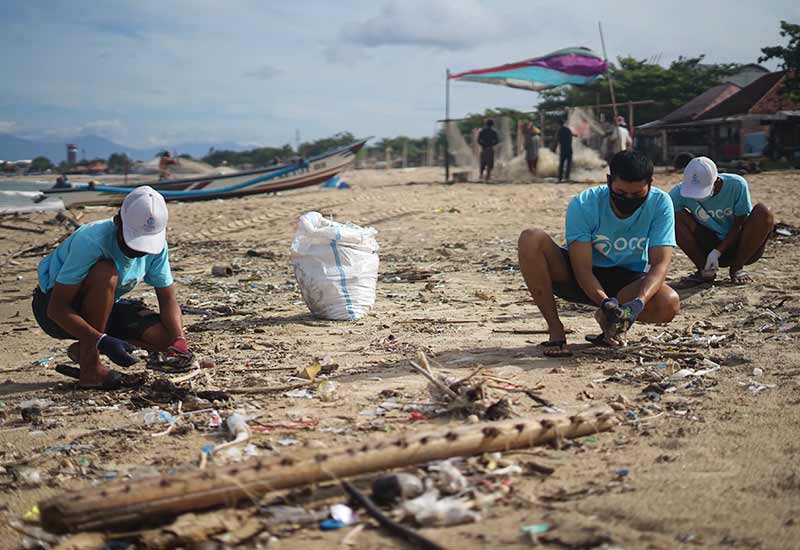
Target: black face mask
{"points": [[627, 205], [127, 250]]}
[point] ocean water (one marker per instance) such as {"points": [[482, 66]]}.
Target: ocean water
{"points": [[18, 195]]}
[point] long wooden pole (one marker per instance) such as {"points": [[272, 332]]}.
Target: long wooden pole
{"points": [[134, 503], [446, 123], [608, 73]]}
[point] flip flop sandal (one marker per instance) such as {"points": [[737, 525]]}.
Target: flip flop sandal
{"points": [[741, 277], [555, 348], [170, 365], [698, 278], [115, 380], [599, 340]]}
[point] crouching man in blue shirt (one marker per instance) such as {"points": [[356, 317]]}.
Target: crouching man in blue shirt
{"points": [[620, 238], [716, 224], [82, 281]]}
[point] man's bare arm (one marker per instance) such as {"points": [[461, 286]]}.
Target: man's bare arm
{"points": [[733, 234], [169, 311], [660, 257], [580, 255]]}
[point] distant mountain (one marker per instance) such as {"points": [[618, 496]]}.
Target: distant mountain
{"points": [[92, 146]]}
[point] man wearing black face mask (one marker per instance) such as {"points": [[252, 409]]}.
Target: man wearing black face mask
{"points": [[82, 281], [619, 245]]}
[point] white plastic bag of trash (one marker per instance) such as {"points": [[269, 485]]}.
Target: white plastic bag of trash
{"points": [[336, 267]]}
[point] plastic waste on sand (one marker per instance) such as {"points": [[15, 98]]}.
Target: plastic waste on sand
{"points": [[336, 267]]}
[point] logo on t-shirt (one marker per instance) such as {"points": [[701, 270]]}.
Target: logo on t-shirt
{"points": [[719, 214], [605, 246]]}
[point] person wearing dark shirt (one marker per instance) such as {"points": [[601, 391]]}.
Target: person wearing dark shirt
{"points": [[564, 136], [487, 139]]}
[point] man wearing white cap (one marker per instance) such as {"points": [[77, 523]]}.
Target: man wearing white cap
{"points": [[81, 284], [715, 222]]}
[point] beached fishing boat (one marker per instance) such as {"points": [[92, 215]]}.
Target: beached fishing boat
{"points": [[282, 177]]}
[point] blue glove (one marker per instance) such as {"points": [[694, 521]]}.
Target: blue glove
{"points": [[609, 306], [629, 311], [623, 316], [117, 350]]}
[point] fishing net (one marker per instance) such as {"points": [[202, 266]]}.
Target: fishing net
{"points": [[587, 163]]}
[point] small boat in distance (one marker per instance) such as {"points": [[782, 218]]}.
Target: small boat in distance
{"points": [[281, 177]]}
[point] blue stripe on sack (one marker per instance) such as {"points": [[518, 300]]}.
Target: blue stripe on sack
{"points": [[342, 280]]}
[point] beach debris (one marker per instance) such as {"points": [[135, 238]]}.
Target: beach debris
{"points": [[238, 428], [154, 415], [429, 509], [120, 503], [328, 390], [412, 537], [390, 489], [449, 480], [533, 531], [222, 271]]}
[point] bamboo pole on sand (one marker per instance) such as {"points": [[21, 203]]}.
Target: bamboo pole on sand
{"points": [[122, 504]]}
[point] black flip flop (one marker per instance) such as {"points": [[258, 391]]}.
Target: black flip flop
{"points": [[599, 340], [550, 344], [115, 380]]}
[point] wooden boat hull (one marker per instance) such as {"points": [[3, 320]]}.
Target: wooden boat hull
{"points": [[313, 171]]}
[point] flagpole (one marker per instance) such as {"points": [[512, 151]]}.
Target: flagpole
{"points": [[608, 73], [446, 122]]}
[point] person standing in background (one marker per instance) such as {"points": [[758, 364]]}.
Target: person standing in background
{"points": [[564, 137], [533, 142], [487, 139]]}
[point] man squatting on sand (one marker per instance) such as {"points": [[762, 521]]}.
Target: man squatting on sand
{"points": [[82, 281], [715, 223], [620, 238]]}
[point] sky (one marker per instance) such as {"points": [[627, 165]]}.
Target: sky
{"points": [[259, 72]]}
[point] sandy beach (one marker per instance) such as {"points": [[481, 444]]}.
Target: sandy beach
{"points": [[711, 463]]}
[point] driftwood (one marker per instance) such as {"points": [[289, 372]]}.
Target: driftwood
{"points": [[21, 228], [124, 503]]}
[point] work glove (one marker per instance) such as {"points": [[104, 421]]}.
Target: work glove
{"points": [[119, 351], [179, 347], [620, 318], [712, 263]]}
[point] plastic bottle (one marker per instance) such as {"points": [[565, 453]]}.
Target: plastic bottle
{"points": [[328, 391]]}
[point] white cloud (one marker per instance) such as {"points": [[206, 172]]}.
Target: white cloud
{"points": [[444, 24], [7, 126]]}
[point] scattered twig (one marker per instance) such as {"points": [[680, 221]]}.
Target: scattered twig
{"points": [[527, 331], [20, 228], [268, 389], [401, 531], [426, 372]]}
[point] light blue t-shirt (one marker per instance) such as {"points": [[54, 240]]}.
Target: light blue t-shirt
{"points": [[621, 242], [71, 261], [717, 212]]}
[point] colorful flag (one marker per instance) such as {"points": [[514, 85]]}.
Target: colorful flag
{"points": [[575, 66]]}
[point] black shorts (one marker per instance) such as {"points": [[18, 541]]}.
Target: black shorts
{"points": [[612, 279], [487, 158], [708, 241], [128, 320]]}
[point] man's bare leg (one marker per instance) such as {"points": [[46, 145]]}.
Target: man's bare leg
{"points": [[661, 308], [97, 299], [755, 231], [685, 229], [541, 263]]}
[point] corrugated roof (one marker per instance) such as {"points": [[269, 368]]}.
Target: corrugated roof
{"points": [[745, 99], [702, 103]]}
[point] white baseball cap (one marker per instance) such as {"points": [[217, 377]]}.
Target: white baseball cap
{"points": [[144, 220], [699, 177]]}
